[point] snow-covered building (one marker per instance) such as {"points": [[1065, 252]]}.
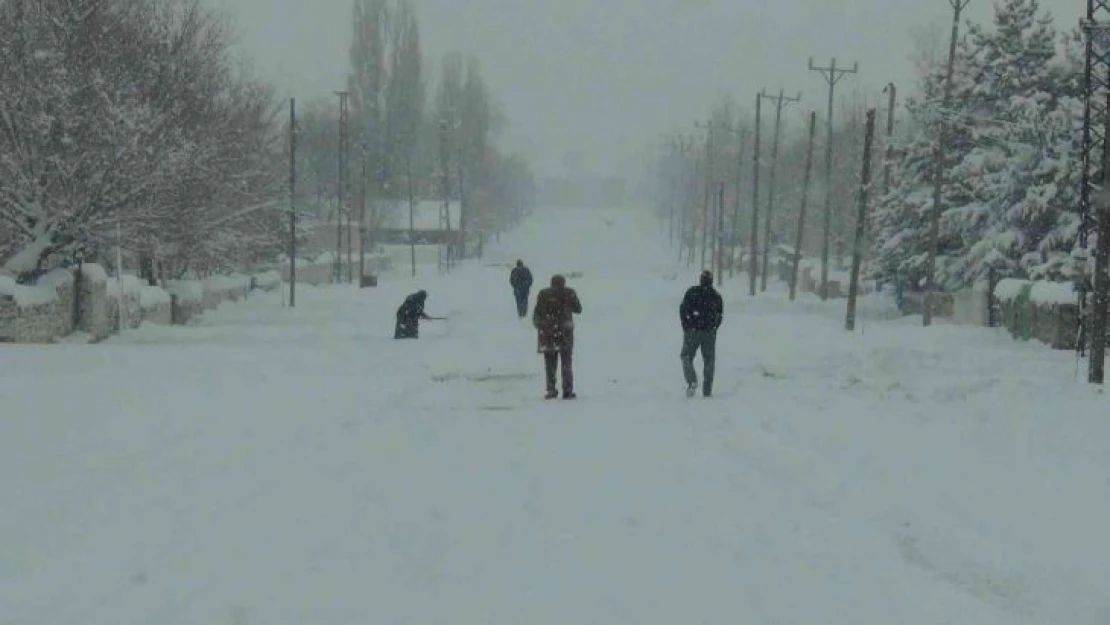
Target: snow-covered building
{"points": [[429, 224]]}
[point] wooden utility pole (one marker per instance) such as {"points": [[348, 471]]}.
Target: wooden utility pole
{"points": [[340, 171], [292, 202], [708, 191], [445, 190], [799, 237], [719, 231], [888, 157], [692, 206], [363, 190], [861, 222], [832, 75], [412, 207], [752, 262], [736, 202], [938, 168], [780, 101]]}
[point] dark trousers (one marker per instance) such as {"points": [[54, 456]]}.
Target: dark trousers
{"points": [[550, 360], [406, 328], [521, 302], [706, 341]]}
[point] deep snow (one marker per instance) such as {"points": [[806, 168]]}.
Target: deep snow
{"points": [[284, 467]]}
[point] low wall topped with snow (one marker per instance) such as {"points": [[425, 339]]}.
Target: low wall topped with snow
{"points": [[1046, 311], [88, 300]]}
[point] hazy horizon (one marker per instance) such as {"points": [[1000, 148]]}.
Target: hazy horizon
{"points": [[600, 81]]}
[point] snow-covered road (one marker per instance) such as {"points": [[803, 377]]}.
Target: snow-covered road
{"points": [[292, 467]]}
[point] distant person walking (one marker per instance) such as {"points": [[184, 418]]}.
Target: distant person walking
{"points": [[553, 318], [521, 280], [409, 315], [701, 313]]}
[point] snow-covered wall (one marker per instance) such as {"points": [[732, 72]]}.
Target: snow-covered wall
{"points": [[1046, 311], [89, 301]]}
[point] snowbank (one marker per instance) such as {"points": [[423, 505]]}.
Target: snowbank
{"points": [[94, 273], [130, 285], [1053, 293], [186, 290], [226, 283], [268, 280], [1009, 289], [26, 296]]}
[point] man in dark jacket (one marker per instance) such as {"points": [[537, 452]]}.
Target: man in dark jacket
{"points": [[701, 313], [553, 318], [409, 315], [521, 280]]}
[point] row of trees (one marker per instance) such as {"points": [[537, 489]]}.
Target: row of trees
{"points": [[127, 121], [1011, 174], [403, 138]]}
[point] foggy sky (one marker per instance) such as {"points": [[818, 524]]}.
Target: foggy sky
{"points": [[598, 79]]}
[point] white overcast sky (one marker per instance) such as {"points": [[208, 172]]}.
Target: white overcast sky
{"points": [[600, 78]]}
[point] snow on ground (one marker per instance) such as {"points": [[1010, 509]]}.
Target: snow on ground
{"points": [[279, 466]]}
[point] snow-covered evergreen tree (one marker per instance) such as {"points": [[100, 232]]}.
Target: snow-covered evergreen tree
{"points": [[1012, 166]]}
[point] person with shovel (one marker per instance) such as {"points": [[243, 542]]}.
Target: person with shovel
{"points": [[409, 315]]}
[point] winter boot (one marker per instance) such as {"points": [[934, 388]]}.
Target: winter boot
{"points": [[691, 388]]}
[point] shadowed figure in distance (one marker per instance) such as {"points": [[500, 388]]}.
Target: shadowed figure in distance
{"points": [[520, 278]]}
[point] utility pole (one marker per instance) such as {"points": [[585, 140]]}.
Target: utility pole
{"points": [[692, 206], [1094, 212], [708, 189], [719, 248], [362, 216], [798, 239], [1097, 359], [861, 221], [780, 101], [445, 190], [832, 75], [888, 158], [341, 169], [292, 202], [938, 168], [752, 268], [736, 203]]}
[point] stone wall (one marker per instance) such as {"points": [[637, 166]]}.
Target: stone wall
{"points": [[89, 301]]}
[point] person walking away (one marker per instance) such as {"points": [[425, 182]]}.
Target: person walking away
{"points": [[553, 318], [701, 313], [521, 280], [409, 315]]}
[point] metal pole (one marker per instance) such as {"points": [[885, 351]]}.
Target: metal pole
{"points": [[861, 221], [938, 169], [780, 101], [292, 202], [832, 75], [718, 248], [752, 268], [1097, 362], [362, 220], [708, 191], [798, 239], [736, 204], [412, 220], [338, 269]]}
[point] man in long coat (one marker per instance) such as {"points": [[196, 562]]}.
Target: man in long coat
{"points": [[520, 278], [553, 318], [409, 315]]}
